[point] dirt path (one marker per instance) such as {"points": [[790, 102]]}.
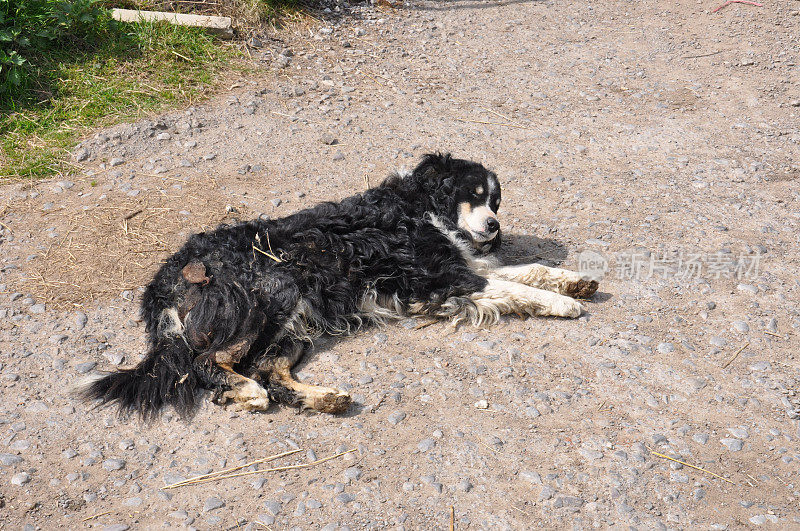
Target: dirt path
{"points": [[660, 136]]}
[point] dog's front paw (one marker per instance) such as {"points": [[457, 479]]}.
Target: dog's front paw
{"points": [[566, 307]]}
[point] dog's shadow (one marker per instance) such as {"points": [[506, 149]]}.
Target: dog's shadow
{"points": [[527, 248]]}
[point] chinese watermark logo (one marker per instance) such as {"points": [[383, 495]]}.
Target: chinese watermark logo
{"points": [[682, 264], [592, 265]]}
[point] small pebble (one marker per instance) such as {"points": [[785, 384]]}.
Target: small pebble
{"points": [[114, 464], [85, 367], [741, 326], [546, 493], [396, 417], [80, 320], [464, 485], [344, 498], [747, 288], [9, 459], [20, 479], [273, 507], [213, 503], [734, 445], [426, 444], [666, 348], [739, 433], [531, 477]]}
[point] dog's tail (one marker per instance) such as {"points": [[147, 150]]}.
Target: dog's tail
{"points": [[164, 378]]}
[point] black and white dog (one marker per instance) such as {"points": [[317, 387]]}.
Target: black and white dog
{"points": [[234, 309]]}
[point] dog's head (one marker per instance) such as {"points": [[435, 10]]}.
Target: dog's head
{"points": [[463, 194]]}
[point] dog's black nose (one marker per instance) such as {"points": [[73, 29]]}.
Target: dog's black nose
{"points": [[492, 225]]}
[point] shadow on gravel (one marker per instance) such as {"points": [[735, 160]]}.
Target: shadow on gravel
{"points": [[526, 249], [601, 297]]}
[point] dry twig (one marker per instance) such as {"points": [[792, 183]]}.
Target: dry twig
{"points": [[380, 402], [98, 515], [701, 55], [692, 466], [520, 510], [276, 469], [183, 56], [735, 355], [426, 324], [234, 468]]}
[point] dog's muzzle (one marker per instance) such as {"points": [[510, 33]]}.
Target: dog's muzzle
{"points": [[480, 222]]}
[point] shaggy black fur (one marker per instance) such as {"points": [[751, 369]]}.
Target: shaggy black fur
{"points": [[257, 273]]}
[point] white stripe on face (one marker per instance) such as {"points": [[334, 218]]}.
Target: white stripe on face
{"points": [[492, 186]]}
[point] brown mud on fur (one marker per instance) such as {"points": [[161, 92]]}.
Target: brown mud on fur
{"points": [[582, 289], [195, 273]]}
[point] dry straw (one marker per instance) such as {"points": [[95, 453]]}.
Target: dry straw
{"points": [[735, 355], [106, 249], [224, 474], [229, 470], [684, 463]]}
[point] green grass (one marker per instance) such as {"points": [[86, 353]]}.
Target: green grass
{"points": [[140, 69]]}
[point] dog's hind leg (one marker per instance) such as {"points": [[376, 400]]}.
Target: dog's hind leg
{"points": [[554, 279], [276, 372], [216, 370]]}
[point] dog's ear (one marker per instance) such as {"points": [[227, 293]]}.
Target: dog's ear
{"points": [[434, 175], [427, 176], [433, 165]]}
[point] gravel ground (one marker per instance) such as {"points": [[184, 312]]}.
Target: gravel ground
{"points": [[659, 136]]}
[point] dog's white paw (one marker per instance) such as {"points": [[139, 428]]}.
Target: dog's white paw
{"points": [[247, 396], [254, 404], [565, 307]]}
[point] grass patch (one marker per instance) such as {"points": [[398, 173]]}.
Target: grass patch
{"points": [[135, 71]]}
